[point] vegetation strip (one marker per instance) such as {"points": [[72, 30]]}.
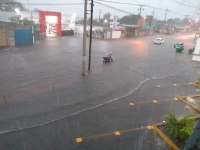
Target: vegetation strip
{"points": [[165, 138]]}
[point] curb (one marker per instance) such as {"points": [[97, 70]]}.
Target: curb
{"points": [[165, 138], [190, 105], [195, 84]]}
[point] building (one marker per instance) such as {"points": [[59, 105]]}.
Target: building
{"points": [[50, 23]]}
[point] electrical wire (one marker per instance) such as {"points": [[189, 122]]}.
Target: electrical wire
{"points": [[117, 2], [134, 4], [189, 2], [177, 2], [113, 8], [43, 3]]}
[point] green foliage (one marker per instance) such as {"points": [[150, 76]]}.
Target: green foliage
{"points": [[10, 5], [15, 19], [24, 21], [198, 81], [130, 19], [107, 16], [180, 129], [190, 51]]}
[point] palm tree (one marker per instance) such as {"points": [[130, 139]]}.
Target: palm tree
{"points": [[182, 128]]}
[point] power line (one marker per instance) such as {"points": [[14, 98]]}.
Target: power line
{"points": [[113, 8], [138, 4], [43, 3], [117, 2], [177, 2], [189, 2]]}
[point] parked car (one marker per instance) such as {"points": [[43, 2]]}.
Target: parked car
{"points": [[159, 41]]}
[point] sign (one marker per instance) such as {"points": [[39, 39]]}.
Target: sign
{"points": [[115, 21]]}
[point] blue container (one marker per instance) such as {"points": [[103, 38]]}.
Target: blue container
{"points": [[23, 37]]}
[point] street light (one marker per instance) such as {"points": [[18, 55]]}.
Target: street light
{"points": [[105, 21], [17, 10]]}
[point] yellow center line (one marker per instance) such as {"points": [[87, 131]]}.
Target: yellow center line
{"points": [[117, 133], [174, 84], [150, 101]]}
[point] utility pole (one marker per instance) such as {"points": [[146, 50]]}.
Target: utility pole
{"points": [[198, 22], [166, 15], [99, 14], [186, 16], [152, 19], [91, 20], [84, 39], [139, 9]]}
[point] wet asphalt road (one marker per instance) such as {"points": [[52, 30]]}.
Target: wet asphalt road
{"points": [[49, 104]]}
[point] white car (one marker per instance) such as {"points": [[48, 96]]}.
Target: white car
{"points": [[159, 41]]}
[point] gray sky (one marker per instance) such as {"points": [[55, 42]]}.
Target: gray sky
{"points": [[130, 8]]}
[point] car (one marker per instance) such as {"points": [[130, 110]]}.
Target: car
{"points": [[159, 41]]}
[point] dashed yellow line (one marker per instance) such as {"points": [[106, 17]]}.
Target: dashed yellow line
{"points": [[79, 140], [176, 99], [175, 84], [150, 101], [116, 133], [154, 101]]}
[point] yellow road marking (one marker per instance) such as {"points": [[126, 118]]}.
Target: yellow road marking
{"points": [[195, 84], [176, 99], [154, 101], [132, 104], [174, 84], [167, 140], [149, 127], [79, 140], [117, 133]]}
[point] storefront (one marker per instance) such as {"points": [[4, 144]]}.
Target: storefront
{"points": [[50, 23]]}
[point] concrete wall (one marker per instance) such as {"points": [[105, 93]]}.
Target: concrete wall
{"points": [[196, 53]]}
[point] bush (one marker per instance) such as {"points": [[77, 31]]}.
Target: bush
{"points": [[180, 129], [198, 82], [190, 51]]}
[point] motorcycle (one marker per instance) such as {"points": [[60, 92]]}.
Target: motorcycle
{"points": [[108, 58]]}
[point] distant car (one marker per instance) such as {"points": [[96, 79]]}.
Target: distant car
{"points": [[159, 41]]}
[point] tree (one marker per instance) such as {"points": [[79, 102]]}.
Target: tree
{"points": [[178, 21], [182, 128], [170, 21], [36, 10], [107, 16], [24, 21], [10, 5], [130, 19], [15, 19]]}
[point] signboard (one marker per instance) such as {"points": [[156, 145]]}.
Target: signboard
{"points": [[115, 21]]}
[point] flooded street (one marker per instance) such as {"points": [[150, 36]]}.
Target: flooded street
{"points": [[47, 98]]}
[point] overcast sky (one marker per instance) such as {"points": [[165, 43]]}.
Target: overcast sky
{"points": [[78, 9]]}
